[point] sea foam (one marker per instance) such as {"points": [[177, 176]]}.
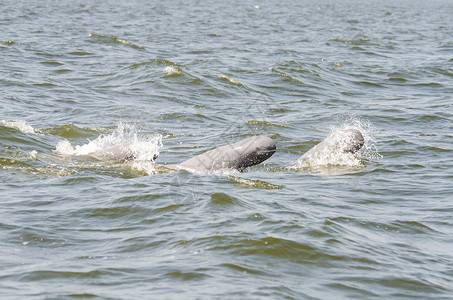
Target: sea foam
{"points": [[20, 125], [144, 148]]}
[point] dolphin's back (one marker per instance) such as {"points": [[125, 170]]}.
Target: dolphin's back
{"points": [[238, 156]]}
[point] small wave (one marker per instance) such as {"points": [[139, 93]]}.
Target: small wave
{"points": [[50, 170], [111, 39], [171, 70], [265, 124], [360, 40], [231, 80], [21, 125], [250, 183], [368, 83], [283, 74], [152, 62]]}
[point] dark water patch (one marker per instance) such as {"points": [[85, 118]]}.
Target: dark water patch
{"points": [[153, 62], [307, 75], [43, 275], [168, 208], [372, 53], [397, 79], [138, 244], [38, 238], [45, 53], [264, 124], [83, 296], [63, 71], [276, 248], [428, 84], [425, 149], [21, 142], [186, 276], [40, 171], [71, 131], [368, 83], [400, 227], [244, 269], [14, 162], [222, 199], [117, 212], [52, 63], [351, 289], [300, 148], [81, 53], [251, 183], [139, 197], [273, 290], [318, 233], [404, 286], [282, 110], [44, 84], [198, 118]]}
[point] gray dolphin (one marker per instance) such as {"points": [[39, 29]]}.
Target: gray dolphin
{"points": [[120, 153], [341, 141], [123, 152], [237, 156]]}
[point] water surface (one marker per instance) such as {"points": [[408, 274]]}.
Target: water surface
{"points": [[182, 77]]}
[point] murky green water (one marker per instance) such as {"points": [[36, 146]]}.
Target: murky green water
{"points": [[182, 77]]}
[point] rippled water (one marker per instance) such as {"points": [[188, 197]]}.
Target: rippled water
{"points": [[181, 77]]}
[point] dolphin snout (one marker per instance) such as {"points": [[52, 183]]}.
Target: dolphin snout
{"points": [[265, 147], [355, 140]]}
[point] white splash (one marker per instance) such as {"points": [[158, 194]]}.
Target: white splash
{"points": [[141, 148], [328, 156], [32, 154], [146, 167], [20, 125], [171, 70]]}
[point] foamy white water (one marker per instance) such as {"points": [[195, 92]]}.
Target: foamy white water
{"points": [[20, 125], [143, 148]]}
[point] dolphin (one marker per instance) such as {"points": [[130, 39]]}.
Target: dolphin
{"points": [[123, 152], [341, 141], [237, 156], [118, 153]]}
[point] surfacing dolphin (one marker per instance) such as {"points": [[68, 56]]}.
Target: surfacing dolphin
{"points": [[237, 156], [339, 142], [121, 152]]}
